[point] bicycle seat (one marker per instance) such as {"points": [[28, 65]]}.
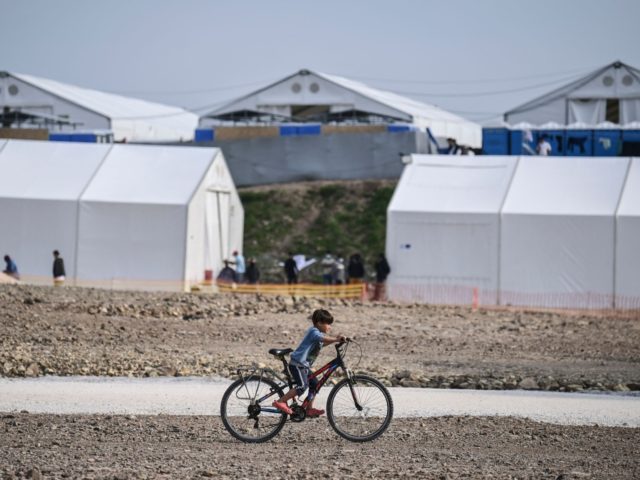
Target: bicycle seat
{"points": [[280, 352]]}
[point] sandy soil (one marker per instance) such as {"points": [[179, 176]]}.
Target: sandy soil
{"points": [[74, 331], [127, 447]]}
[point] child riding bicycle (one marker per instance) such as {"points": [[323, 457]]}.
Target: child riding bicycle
{"points": [[304, 356]]}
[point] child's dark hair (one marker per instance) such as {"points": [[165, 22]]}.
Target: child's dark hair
{"points": [[323, 316]]}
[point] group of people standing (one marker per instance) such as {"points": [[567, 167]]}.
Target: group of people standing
{"points": [[59, 273], [336, 272], [242, 273]]}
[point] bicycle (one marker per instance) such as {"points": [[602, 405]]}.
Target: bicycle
{"points": [[359, 407]]}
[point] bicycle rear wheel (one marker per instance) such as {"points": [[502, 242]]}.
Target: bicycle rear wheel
{"points": [[367, 422], [242, 414]]}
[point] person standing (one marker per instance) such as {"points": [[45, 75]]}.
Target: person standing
{"points": [[227, 274], [355, 269], [291, 270], [238, 261], [59, 273], [339, 273], [11, 268], [253, 272], [327, 263], [452, 147], [543, 148], [382, 272]]}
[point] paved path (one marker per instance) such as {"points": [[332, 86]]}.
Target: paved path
{"points": [[201, 396]]}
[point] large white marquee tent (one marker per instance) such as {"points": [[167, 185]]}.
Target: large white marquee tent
{"points": [[319, 96], [608, 94], [123, 216], [531, 231], [75, 108]]}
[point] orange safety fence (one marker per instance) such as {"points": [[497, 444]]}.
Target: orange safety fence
{"points": [[357, 291]]}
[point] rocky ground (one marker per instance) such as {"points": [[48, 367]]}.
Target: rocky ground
{"points": [[69, 331], [145, 447], [74, 331]]}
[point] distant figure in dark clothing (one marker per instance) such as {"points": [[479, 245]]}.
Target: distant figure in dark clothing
{"points": [[253, 273], [59, 273], [227, 274], [355, 270], [11, 268], [382, 272], [452, 147], [291, 270]]}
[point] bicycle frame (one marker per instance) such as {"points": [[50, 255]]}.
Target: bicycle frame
{"points": [[321, 375]]}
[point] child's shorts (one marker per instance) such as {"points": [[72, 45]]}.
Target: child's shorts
{"points": [[302, 379]]}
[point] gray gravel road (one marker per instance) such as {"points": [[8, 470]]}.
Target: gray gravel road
{"points": [[201, 396]]}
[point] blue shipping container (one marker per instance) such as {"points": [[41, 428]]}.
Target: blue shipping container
{"points": [[288, 130], [555, 139], [579, 143], [400, 128], [606, 143], [59, 137], [204, 135], [521, 142], [313, 129], [630, 143], [495, 141]]}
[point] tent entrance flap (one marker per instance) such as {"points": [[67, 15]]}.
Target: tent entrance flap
{"points": [[217, 228]]}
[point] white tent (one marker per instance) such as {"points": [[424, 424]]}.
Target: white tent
{"points": [[443, 228], [611, 93], [558, 224], [314, 95], [123, 215], [627, 277], [81, 109], [530, 231], [39, 192]]}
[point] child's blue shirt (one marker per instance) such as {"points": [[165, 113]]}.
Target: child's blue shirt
{"points": [[309, 348]]}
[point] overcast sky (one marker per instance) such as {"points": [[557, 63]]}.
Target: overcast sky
{"points": [[477, 58]]}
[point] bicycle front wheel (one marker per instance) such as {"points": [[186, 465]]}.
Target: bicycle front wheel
{"points": [[360, 408], [242, 414]]}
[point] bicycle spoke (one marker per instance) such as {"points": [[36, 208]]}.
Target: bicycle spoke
{"points": [[367, 422], [243, 417]]}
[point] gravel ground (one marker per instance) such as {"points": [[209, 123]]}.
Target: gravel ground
{"points": [[128, 447], [72, 331], [75, 331]]}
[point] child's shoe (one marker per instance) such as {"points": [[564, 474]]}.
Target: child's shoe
{"points": [[283, 407], [314, 412]]}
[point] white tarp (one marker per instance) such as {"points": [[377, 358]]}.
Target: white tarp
{"points": [[628, 241], [443, 228], [122, 216], [557, 236], [39, 192]]}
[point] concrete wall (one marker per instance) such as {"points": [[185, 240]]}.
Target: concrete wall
{"points": [[339, 156]]}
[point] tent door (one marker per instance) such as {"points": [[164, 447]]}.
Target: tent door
{"points": [[217, 228]]}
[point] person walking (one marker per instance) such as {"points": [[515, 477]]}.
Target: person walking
{"points": [[382, 272], [59, 273]]}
